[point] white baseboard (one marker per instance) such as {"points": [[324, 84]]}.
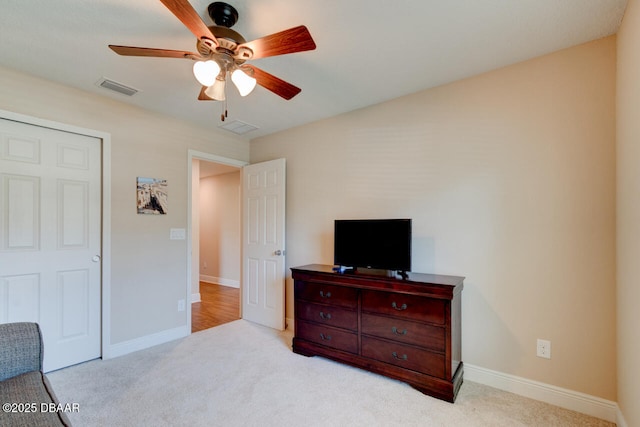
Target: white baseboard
{"points": [[141, 343], [220, 281], [568, 399], [195, 298]]}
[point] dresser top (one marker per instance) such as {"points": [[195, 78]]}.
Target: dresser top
{"points": [[418, 281]]}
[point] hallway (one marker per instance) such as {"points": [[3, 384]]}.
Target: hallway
{"points": [[219, 304]]}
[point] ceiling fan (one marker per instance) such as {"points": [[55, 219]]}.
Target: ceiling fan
{"points": [[223, 52]]}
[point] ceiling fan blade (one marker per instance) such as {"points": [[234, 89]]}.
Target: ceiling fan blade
{"points": [[183, 10], [147, 51], [297, 39], [273, 83]]}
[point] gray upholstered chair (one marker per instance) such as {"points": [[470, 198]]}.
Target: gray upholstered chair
{"points": [[22, 381]]}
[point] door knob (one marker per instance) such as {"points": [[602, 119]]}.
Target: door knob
{"points": [[278, 252], [95, 258]]}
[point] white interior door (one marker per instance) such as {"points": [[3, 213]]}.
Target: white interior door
{"points": [[263, 261], [50, 214]]}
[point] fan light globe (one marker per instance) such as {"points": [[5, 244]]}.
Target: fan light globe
{"points": [[216, 90], [206, 72], [243, 82]]}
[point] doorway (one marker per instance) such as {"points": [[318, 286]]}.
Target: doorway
{"points": [[215, 241]]}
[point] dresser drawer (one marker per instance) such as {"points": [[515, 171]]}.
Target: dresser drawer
{"points": [[327, 336], [328, 294], [420, 334], [404, 356], [328, 315], [407, 306]]}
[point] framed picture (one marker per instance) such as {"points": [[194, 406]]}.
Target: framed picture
{"points": [[152, 196]]}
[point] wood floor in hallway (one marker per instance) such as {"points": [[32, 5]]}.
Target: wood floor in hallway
{"points": [[219, 304]]}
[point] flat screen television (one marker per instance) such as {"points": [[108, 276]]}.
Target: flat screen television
{"points": [[383, 244]]}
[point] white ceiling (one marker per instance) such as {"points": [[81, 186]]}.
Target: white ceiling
{"points": [[368, 51]]}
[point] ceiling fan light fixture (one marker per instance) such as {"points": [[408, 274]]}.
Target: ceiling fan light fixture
{"points": [[206, 72], [221, 51], [216, 90], [243, 82]]}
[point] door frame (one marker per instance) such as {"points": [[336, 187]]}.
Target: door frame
{"points": [[191, 240], [105, 212]]}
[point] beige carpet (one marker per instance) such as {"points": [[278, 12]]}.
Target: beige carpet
{"points": [[241, 374]]}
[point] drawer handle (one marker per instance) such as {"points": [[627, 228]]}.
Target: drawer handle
{"points": [[402, 307], [325, 316], [324, 337], [397, 332], [395, 356], [323, 295]]}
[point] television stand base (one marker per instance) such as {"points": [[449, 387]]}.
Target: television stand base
{"points": [[380, 272]]}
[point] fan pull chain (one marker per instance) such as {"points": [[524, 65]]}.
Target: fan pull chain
{"points": [[223, 106], [224, 113]]}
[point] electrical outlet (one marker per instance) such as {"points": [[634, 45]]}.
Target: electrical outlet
{"points": [[544, 349], [180, 305]]}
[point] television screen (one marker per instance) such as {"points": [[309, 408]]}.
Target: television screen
{"points": [[373, 243]]}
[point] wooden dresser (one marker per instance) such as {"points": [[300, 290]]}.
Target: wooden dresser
{"points": [[407, 329]]}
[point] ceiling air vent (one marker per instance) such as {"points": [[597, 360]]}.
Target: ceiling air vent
{"points": [[116, 87], [238, 127]]}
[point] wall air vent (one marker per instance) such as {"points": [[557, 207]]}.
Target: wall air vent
{"points": [[116, 87], [238, 127]]}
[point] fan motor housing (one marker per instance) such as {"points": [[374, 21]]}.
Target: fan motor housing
{"points": [[227, 34], [229, 42], [225, 16]]}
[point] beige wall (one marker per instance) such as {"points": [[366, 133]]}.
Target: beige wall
{"points": [[220, 228], [628, 213], [149, 272], [510, 180]]}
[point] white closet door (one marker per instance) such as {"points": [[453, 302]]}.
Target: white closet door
{"points": [[50, 214]]}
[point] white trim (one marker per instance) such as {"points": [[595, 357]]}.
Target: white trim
{"points": [[106, 244], [195, 298], [220, 281], [146, 341], [106, 208], [192, 241], [201, 155], [568, 399]]}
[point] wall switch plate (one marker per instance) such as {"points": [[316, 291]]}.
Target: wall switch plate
{"points": [[181, 305], [544, 349], [177, 234]]}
